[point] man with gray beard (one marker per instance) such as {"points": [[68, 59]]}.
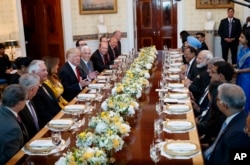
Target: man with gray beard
{"points": [[202, 79]]}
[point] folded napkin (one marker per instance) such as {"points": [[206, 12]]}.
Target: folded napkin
{"points": [[176, 85], [176, 64], [178, 95], [178, 124], [174, 70], [61, 122], [171, 100], [121, 57], [181, 146], [42, 143], [74, 107], [86, 96], [174, 76], [108, 71], [178, 107], [96, 85], [101, 77]]}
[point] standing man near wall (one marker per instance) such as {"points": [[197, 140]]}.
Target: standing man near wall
{"points": [[229, 31]]}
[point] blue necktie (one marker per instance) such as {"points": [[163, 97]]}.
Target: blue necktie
{"points": [[209, 151], [89, 67]]}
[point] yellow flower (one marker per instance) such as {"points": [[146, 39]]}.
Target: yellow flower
{"points": [[88, 155], [109, 132], [82, 135], [98, 153], [116, 119], [119, 89], [116, 143]]}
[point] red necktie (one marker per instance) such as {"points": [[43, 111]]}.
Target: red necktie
{"points": [[78, 75]]}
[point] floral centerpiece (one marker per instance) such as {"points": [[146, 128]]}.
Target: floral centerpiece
{"points": [[85, 139], [86, 156], [109, 121], [121, 103]]}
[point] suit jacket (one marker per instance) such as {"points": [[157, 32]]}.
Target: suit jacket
{"points": [[46, 105], [70, 82], [233, 137], [85, 67], [96, 58], [224, 30], [11, 136], [28, 120], [199, 83], [118, 49], [112, 54], [193, 71]]}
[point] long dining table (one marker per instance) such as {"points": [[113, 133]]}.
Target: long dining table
{"points": [[136, 149]]}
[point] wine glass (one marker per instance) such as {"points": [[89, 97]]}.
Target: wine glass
{"points": [[158, 108], [76, 118], [99, 94], [155, 153], [56, 137], [107, 79], [158, 129]]}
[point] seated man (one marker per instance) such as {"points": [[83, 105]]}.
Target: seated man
{"points": [[100, 59], [45, 101], [29, 114], [201, 37], [73, 78], [112, 46], [231, 101], [13, 134], [118, 35]]}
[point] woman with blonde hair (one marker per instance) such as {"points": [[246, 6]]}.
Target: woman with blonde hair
{"points": [[53, 81]]}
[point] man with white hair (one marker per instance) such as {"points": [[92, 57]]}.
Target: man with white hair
{"points": [[45, 101], [231, 138], [202, 79]]}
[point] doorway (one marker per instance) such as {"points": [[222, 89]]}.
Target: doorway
{"points": [[156, 23], [42, 22]]}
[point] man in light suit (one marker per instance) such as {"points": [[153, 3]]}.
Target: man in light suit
{"points": [[29, 114], [230, 100], [73, 77], [45, 101], [229, 31], [13, 133], [85, 63]]}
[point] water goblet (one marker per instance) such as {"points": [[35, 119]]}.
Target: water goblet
{"points": [[56, 137], [107, 79], [155, 153], [158, 108], [158, 129]]}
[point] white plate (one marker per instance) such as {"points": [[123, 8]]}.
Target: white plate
{"points": [[176, 64], [176, 109], [60, 124], [29, 151], [177, 126]]}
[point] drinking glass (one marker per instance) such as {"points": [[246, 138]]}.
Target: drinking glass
{"points": [[99, 94], [158, 108], [107, 79], [56, 137], [158, 129], [155, 153]]}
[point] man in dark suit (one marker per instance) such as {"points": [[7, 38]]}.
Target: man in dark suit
{"points": [[100, 60], [29, 114], [190, 54], [230, 100], [198, 85], [229, 31], [118, 35], [13, 134], [201, 37], [73, 78], [45, 101], [112, 55], [85, 63]]}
